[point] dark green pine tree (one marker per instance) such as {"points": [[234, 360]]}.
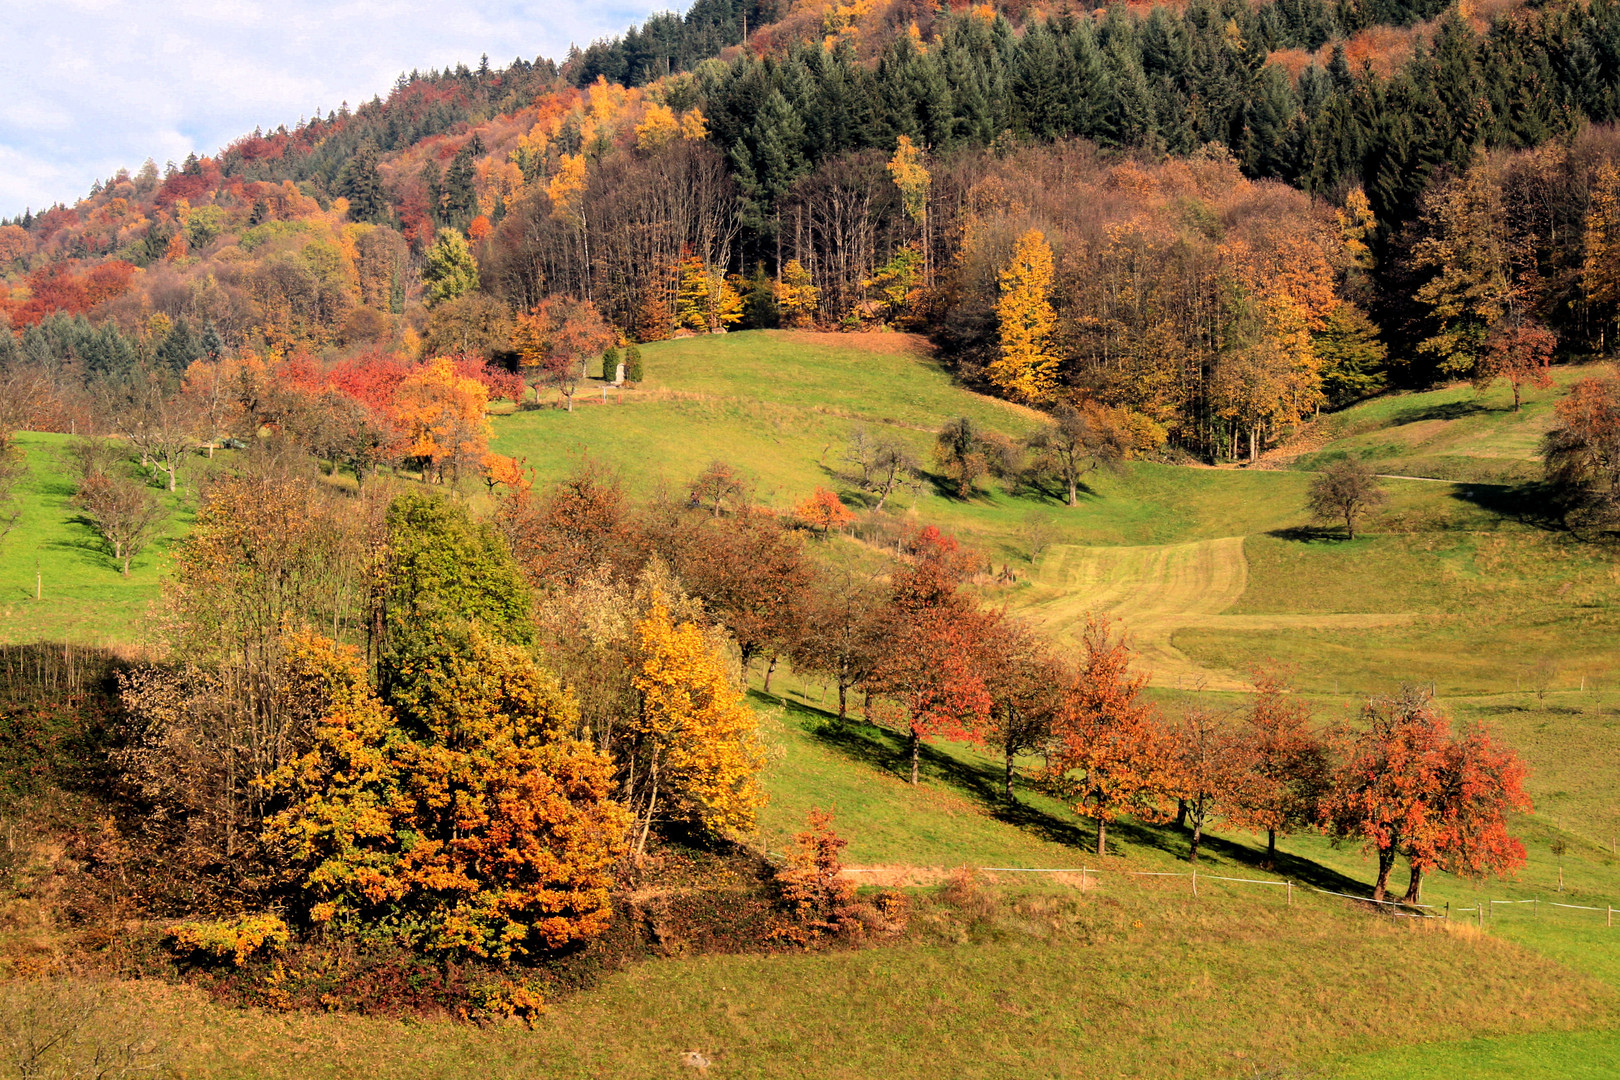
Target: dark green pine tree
{"points": [[1268, 126], [109, 354], [181, 347], [213, 346], [1132, 116], [1039, 88], [1091, 92], [460, 196], [358, 182], [433, 190]]}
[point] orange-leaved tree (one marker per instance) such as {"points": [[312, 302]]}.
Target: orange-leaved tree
{"points": [[823, 512], [458, 809], [555, 339], [1406, 787], [1111, 753], [1215, 769], [1519, 351], [442, 415], [932, 663], [1289, 761]]}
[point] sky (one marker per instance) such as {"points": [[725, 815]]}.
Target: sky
{"points": [[89, 86]]}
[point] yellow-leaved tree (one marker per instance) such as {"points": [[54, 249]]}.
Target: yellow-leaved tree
{"points": [[1027, 366], [697, 736]]}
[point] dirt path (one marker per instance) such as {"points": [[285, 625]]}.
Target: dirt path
{"points": [[1156, 591]]}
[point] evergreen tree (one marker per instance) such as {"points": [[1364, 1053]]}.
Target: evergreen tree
{"points": [[358, 182]]}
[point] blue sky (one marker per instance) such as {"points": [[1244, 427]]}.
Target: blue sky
{"points": [[87, 86]]}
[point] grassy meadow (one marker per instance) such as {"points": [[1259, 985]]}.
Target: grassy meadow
{"points": [[1455, 583], [58, 581]]}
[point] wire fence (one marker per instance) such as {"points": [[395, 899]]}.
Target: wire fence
{"points": [[1408, 909]]}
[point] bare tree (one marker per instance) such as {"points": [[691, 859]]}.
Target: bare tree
{"points": [[123, 511], [1345, 491], [1077, 441], [73, 1027], [13, 468], [157, 421], [884, 463]]}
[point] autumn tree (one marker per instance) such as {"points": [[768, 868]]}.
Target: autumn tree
{"points": [[719, 487], [1027, 365], [441, 566], [582, 524], [1213, 768], [967, 453], [1519, 352], [1344, 492], [1111, 754], [698, 741], [124, 511], [823, 511], [555, 340], [797, 295], [1581, 454], [508, 835], [705, 300], [1289, 761], [1406, 787], [840, 634], [749, 570], [1077, 441], [442, 416], [932, 664], [812, 884], [1025, 682], [1600, 271]]}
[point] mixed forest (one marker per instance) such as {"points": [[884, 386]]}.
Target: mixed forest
{"points": [[429, 721]]}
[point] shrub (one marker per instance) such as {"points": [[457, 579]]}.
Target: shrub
{"points": [[237, 940], [610, 363], [632, 364], [508, 999]]}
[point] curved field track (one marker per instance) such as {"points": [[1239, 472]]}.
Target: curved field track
{"points": [[1155, 591]]}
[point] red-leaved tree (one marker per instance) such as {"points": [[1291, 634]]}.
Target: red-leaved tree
{"points": [[1406, 787]]}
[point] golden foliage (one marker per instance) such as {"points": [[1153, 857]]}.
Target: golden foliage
{"points": [[706, 755], [1027, 366]]}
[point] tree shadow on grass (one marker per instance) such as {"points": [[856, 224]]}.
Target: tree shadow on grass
{"points": [[1450, 410], [1311, 534], [885, 751], [1534, 503]]}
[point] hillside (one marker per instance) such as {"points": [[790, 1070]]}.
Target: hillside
{"points": [[1210, 569]]}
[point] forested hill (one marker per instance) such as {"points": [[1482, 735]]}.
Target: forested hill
{"points": [[1219, 217]]}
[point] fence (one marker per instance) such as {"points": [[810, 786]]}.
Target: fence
{"points": [[1395, 908]]}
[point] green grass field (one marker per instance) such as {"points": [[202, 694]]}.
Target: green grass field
{"points": [[82, 596], [1455, 584]]}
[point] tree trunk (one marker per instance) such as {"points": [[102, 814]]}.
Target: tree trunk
{"points": [[1271, 848], [1197, 835], [1074, 498], [1350, 524], [1007, 777], [1102, 830], [1414, 888], [171, 478], [916, 748], [1181, 813], [1386, 863], [770, 669], [843, 701]]}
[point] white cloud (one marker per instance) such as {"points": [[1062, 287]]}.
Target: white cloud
{"points": [[87, 86]]}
